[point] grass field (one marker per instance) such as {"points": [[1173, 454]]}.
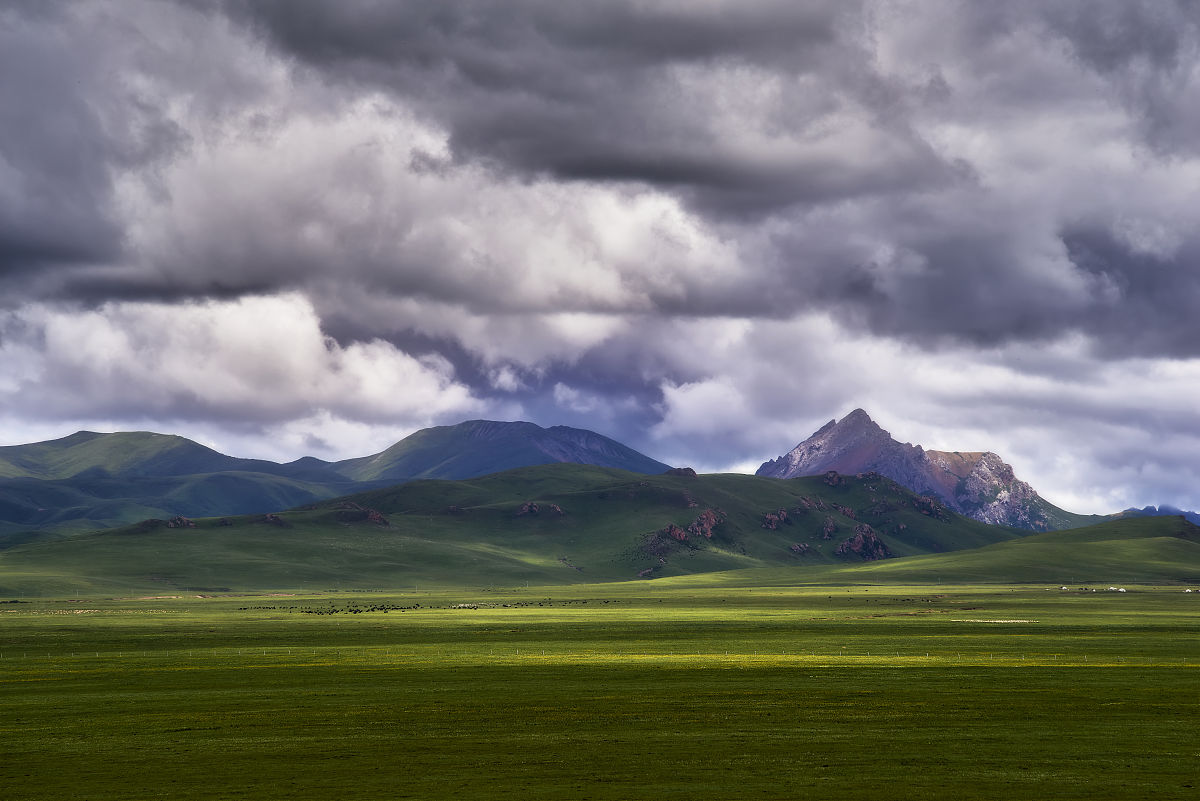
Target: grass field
{"points": [[697, 687]]}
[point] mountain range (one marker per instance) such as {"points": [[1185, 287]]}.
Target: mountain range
{"points": [[484, 502], [89, 480], [465, 450], [569, 523]]}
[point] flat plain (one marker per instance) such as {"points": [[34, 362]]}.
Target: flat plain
{"points": [[711, 686]]}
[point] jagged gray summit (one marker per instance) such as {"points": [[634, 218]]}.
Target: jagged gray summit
{"points": [[978, 484]]}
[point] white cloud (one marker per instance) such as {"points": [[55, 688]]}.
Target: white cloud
{"points": [[701, 407], [574, 400], [1067, 419], [257, 358], [505, 379]]}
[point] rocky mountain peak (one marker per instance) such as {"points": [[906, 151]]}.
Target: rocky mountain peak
{"points": [[855, 426], [978, 484], [859, 419], [854, 444]]}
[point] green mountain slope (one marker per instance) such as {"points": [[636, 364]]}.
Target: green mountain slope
{"points": [[87, 480], [556, 523], [132, 454], [33, 508], [1057, 519], [479, 447]]}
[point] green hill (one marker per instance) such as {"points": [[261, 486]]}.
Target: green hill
{"points": [[88, 480], [479, 447], [557, 523], [133, 454], [1146, 549], [34, 508], [1057, 519]]}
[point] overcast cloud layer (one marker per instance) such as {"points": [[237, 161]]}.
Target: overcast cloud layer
{"points": [[289, 227]]}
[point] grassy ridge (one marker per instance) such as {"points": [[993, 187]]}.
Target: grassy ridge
{"points": [[478, 447], [473, 533], [599, 504], [1058, 519], [88, 481], [31, 508], [132, 453], [606, 691], [1129, 550], [593, 524]]}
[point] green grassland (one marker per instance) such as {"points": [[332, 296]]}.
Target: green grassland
{"points": [[682, 688], [472, 647]]}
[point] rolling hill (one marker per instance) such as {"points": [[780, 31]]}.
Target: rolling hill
{"points": [[1144, 549], [479, 447], [36, 508], [89, 481], [558, 523], [484, 503], [135, 454]]}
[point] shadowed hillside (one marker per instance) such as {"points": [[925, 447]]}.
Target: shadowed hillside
{"points": [[89, 481], [479, 447], [557, 523], [134, 454]]}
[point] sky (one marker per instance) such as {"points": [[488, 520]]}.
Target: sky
{"points": [[701, 227]]}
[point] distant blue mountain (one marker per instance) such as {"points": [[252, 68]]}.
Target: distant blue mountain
{"points": [[1160, 511]]}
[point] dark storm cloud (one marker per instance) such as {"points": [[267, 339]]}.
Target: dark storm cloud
{"points": [[83, 92], [625, 92], [672, 217], [1160, 295], [781, 125], [55, 187], [1149, 50], [618, 93]]}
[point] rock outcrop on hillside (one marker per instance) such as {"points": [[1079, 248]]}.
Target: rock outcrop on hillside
{"points": [[865, 544], [988, 490], [976, 484]]}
